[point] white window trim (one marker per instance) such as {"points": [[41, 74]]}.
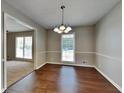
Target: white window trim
{"points": [[17, 58], [73, 46]]}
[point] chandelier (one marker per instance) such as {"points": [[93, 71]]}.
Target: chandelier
{"points": [[62, 28]]}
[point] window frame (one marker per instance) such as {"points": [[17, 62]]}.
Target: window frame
{"points": [[73, 48], [25, 59]]}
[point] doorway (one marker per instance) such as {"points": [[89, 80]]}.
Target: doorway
{"points": [[19, 52]]}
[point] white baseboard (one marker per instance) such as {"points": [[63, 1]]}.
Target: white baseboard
{"points": [[70, 64], [2, 90], [40, 66], [110, 80]]}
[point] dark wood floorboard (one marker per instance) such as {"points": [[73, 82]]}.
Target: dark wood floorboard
{"points": [[63, 79]]}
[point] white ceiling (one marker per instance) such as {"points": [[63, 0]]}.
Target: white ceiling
{"points": [[14, 25], [77, 13]]}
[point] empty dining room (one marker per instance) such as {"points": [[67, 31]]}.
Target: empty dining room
{"points": [[61, 46]]}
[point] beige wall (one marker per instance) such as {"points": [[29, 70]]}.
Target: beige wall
{"points": [[11, 43], [40, 47], [10, 46], [109, 45], [84, 45]]}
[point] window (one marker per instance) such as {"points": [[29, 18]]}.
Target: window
{"points": [[67, 47], [24, 47], [28, 48], [19, 47]]}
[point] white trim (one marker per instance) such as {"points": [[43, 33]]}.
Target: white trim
{"points": [[110, 57], [109, 79], [75, 52], [41, 51], [41, 66], [69, 64], [86, 52], [99, 54], [3, 90], [54, 51], [19, 21], [5, 57]]}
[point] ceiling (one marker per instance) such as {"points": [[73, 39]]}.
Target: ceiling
{"points": [[14, 25], [47, 13]]}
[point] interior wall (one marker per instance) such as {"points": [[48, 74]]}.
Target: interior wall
{"points": [[40, 48], [40, 32], [10, 46], [109, 45], [11, 43], [84, 45]]}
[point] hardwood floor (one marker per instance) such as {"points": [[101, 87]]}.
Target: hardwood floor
{"points": [[63, 79]]}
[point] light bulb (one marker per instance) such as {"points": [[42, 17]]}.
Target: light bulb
{"points": [[56, 29], [66, 31], [59, 31], [68, 28], [62, 27]]}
